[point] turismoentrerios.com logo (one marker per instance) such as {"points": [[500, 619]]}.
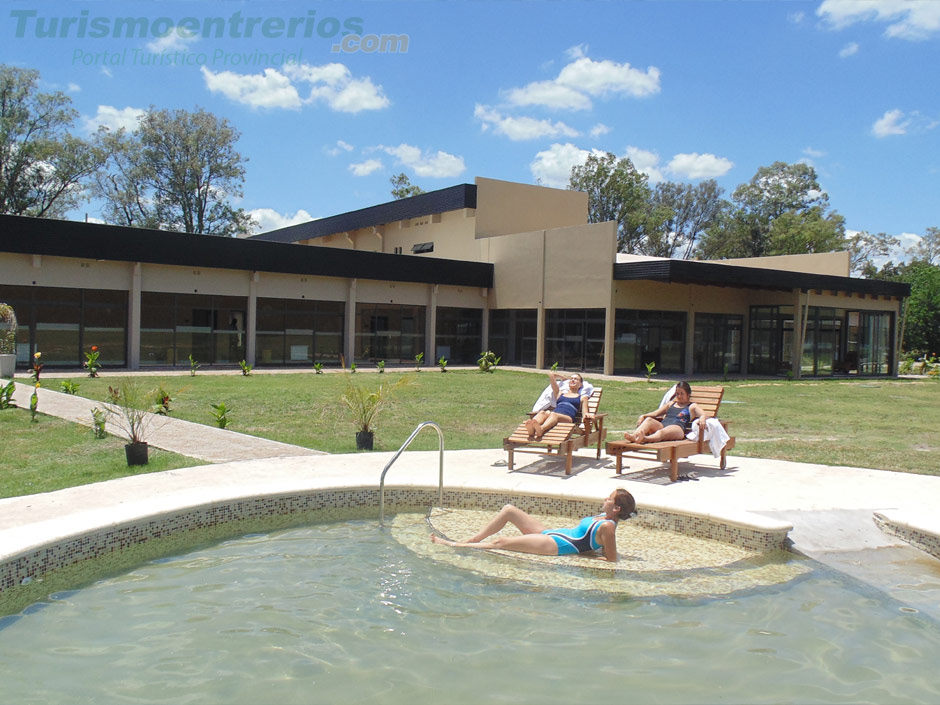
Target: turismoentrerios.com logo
{"points": [[348, 33]]}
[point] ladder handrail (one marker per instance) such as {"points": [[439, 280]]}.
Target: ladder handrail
{"points": [[440, 489]]}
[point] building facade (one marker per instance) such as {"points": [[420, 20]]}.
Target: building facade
{"points": [[493, 265]]}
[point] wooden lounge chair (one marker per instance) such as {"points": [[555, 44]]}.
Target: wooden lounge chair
{"points": [[565, 438], [709, 399]]}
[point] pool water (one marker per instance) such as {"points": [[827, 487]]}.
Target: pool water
{"points": [[347, 613]]}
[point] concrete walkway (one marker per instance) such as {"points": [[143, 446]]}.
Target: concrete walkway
{"points": [[193, 440]]}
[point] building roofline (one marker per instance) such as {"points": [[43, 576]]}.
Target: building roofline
{"points": [[717, 274], [62, 238], [430, 203]]}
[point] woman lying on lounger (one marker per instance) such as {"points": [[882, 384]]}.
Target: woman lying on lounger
{"points": [[677, 417], [594, 533], [567, 406]]}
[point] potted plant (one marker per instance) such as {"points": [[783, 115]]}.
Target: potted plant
{"points": [[130, 412], [364, 405], [7, 341]]}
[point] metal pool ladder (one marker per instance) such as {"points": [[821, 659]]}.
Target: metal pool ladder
{"points": [[440, 488]]}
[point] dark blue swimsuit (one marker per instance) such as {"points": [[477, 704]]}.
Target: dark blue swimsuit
{"points": [[567, 406], [678, 416]]}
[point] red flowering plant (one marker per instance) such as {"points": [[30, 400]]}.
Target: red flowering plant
{"points": [[91, 361]]}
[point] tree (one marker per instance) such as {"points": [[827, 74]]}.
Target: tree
{"points": [[43, 168], [403, 188], [864, 248], [178, 171], [922, 324], [781, 210], [616, 191], [928, 249], [684, 213]]}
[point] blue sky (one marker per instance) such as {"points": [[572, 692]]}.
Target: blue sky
{"points": [[519, 91]]}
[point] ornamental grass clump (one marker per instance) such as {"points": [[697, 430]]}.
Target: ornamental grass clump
{"points": [[130, 410], [363, 403]]}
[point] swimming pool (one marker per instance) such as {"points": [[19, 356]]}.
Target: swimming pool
{"points": [[343, 612]]}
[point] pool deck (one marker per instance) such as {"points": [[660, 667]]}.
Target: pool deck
{"points": [[848, 517]]}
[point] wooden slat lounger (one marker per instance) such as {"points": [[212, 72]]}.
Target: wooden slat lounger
{"points": [[565, 438], [709, 399]]}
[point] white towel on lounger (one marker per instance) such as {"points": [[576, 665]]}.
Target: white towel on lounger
{"points": [[715, 434], [546, 399]]}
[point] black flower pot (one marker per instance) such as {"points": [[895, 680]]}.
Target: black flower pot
{"points": [[136, 453], [364, 440]]}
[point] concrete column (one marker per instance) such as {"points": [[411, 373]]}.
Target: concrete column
{"points": [[610, 323], [430, 339], [745, 350], [251, 325], [133, 319], [540, 340], [485, 328], [349, 345], [796, 354]]}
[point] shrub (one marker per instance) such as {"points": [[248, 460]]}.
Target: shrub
{"points": [[488, 361]]}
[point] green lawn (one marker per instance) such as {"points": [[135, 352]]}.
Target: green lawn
{"points": [[52, 454], [885, 424]]}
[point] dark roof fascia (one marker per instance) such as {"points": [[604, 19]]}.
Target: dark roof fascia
{"points": [[716, 274], [61, 238], [431, 203]]}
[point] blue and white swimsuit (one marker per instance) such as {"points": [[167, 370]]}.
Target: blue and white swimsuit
{"points": [[579, 539]]}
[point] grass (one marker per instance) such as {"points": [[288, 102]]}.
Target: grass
{"points": [[52, 454], [882, 424]]}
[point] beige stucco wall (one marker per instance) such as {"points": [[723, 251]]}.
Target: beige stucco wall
{"points": [[43, 270], [194, 280], [368, 291], [832, 263], [293, 286], [505, 207], [558, 268]]}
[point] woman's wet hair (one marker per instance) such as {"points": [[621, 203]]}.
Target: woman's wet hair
{"points": [[626, 503]]}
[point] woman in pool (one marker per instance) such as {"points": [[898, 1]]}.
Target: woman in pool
{"points": [[568, 405], [677, 416], [594, 533]]}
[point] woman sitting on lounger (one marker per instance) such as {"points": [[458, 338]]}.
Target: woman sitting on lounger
{"points": [[567, 406], [594, 533], [677, 417]]}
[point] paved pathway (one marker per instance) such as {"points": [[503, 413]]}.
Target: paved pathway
{"points": [[194, 440]]}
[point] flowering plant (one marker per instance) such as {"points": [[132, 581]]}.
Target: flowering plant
{"points": [[91, 361], [37, 368]]}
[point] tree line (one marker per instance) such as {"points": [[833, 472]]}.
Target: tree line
{"points": [[782, 210], [178, 170]]}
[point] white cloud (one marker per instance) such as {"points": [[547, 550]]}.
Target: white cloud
{"points": [[796, 17], [646, 162], [332, 84], [170, 42], [699, 166], [521, 128], [269, 219], [335, 85], [339, 148], [365, 168], [583, 79], [891, 123], [552, 167], [599, 129], [270, 89], [74, 88], [909, 19], [114, 118], [813, 153], [848, 50], [437, 165], [577, 51]]}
